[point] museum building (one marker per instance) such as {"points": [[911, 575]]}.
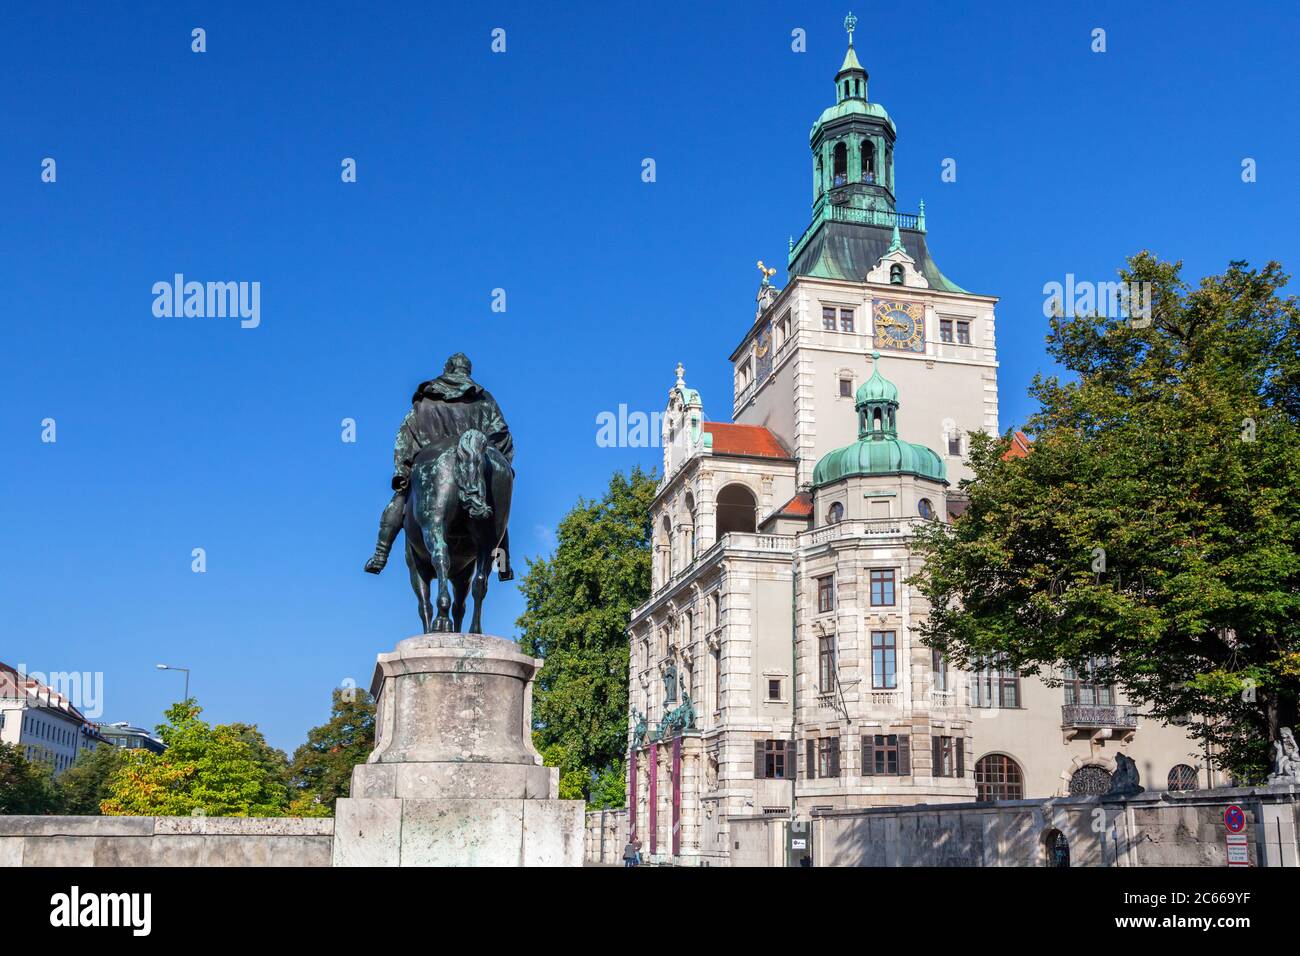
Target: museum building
{"points": [[777, 667]]}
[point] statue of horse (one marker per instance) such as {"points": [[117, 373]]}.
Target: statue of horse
{"points": [[455, 519]]}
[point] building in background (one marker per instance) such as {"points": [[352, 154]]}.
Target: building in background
{"points": [[43, 722], [777, 666], [122, 734]]}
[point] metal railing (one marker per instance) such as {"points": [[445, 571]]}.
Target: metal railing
{"points": [[1098, 715]]}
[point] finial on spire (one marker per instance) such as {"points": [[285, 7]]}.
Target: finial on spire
{"points": [[681, 372], [850, 24], [896, 243]]}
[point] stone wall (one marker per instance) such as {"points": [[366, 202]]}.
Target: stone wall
{"points": [[165, 841], [1151, 829], [606, 835]]}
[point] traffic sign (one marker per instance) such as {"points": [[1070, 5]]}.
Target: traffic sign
{"points": [[1234, 819]]}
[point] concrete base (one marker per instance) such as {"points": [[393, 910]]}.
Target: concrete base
{"points": [[454, 779], [457, 832]]}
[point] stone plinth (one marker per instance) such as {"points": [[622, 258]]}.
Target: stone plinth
{"points": [[454, 779]]}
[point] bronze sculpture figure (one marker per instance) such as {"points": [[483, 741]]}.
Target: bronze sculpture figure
{"points": [[452, 484]]}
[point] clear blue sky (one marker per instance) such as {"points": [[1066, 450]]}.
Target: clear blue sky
{"points": [[519, 171]]}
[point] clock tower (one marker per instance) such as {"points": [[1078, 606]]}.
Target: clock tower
{"points": [[861, 278]]}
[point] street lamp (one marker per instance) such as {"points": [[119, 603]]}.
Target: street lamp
{"points": [[168, 667]]}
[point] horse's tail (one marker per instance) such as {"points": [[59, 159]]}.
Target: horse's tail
{"points": [[470, 464]]}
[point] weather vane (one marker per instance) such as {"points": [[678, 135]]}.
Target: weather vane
{"points": [[850, 24], [767, 272]]}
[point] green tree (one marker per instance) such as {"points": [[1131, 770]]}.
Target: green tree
{"points": [[211, 770], [85, 785], [1155, 525], [321, 770], [271, 759], [25, 786], [579, 602]]}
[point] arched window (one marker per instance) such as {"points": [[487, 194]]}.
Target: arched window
{"points": [[1089, 781], [840, 168], [998, 777], [868, 161], [1183, 777], [690, 541], [737, 510], [896, 274], [666, 551], [820, 171], [925, 509], [875, 420], [835, 514]]}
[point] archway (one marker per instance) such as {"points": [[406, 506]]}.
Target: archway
{"points": [[1056, 849], [737, 510]]}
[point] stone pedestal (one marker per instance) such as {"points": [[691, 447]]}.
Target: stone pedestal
{"points": [[454, 779]]}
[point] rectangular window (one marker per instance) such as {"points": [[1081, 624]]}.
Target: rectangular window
{"points": [[846, 388], [1081, 687], [717, 680], [846, 320], [828, 318], [774, 689], [826, 594], [945, 330], [939, 667], [774, 759], [884, 652], [949, 757], [954, 445], [828, 757], [995, 685], [963, 333], [886, 755], [826, 664], [882, 588]]}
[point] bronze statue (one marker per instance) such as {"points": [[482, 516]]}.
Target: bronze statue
{"points": [[452, 482]]}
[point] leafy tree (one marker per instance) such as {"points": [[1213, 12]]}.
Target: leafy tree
{"points": [[321, 770], [1155, 524], [25, 786], [271, 759], [85, 785], [211, 770], [579, 602]]}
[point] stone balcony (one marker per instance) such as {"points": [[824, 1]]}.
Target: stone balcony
{"points": [[1098, 721]]}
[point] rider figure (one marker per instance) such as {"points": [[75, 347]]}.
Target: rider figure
{"points": [[442, 409]]}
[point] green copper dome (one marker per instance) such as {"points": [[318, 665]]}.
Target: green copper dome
{"points": [[875, 389], [878, 450]]}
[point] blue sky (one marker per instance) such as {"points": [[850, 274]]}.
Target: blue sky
{"points": [[519, 171]]}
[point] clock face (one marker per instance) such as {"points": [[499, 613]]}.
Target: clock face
{"points": [[900, 325]]}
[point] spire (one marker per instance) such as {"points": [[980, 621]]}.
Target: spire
{"points": [[877, 405], [896, 243], [851, 80]]}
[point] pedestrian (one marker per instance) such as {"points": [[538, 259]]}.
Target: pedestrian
{"points": [[630, 853]]}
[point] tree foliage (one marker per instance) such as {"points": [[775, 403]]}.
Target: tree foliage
{"points": [[221, 771], [85, 785], [25, 785], [321, 770], [1156, 522], [579, 602]]}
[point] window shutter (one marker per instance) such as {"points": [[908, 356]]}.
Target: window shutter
{"points": [[791, 759], [936, 757], [868, 755], [810, 745], [760, 765], [961, 756], [835, 756], [904, 755]]}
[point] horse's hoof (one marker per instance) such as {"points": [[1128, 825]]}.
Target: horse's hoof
{"points": [[444, 627]]}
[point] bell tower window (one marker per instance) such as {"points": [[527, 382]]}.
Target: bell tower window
{"points": [[841, 164], [896, 274], [868, 161]]}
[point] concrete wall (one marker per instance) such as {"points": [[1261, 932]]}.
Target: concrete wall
{"points": [[1152, 829], [165, 841]]}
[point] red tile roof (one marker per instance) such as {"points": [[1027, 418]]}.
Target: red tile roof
{"points": [[800, 506], [752, 440], [1020, 446]]}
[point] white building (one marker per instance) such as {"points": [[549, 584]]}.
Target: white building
{"points": [[777, 667], [43, 722]]}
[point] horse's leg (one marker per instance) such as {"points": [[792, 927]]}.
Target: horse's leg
{"points": [[459, 591], [420, 585], [435, 539], [479, 586]]}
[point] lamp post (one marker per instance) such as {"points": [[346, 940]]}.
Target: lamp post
{"points": [[168, 667]]}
